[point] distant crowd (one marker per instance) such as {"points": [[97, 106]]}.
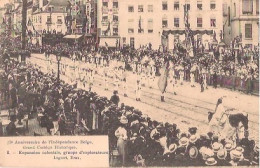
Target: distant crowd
{"points": [[134, 138]]}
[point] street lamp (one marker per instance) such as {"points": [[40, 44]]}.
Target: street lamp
{"points": [[58, 58]]}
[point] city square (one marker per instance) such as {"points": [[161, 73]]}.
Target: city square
{"points": [[169, 85]]}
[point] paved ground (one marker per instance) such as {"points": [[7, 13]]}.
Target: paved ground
{"points": [[188, 108]]}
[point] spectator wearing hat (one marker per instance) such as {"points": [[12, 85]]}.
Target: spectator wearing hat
{"points": [[115, 98], [236, 156], [211, 161], [222, 158], [11, 128], [193, 157], [121, 134]]}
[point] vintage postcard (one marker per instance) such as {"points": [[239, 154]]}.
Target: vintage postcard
{"points": [[129, 83]]}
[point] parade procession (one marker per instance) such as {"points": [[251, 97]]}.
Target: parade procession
{"points": [[166, 91]]}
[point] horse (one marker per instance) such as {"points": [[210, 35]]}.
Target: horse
{"points": [[232, 123]]}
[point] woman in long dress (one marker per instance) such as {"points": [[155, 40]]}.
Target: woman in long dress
{"points": [[216, 122], [121, 134]]}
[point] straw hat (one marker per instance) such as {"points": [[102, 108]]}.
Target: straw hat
{"points": [[229, 145], [172, 148], [222, 154], [240, 149], [193, 152], [234, 154], [184, 141], [193, 138], [216, 146], [123, 120], [211, 161]]}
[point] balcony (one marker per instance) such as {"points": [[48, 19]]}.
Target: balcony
{"points": [[48, 22], [105, 10], [59, 22], [104, 22], [115, 10], [115, 22]]}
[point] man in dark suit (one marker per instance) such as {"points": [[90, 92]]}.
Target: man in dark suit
{"points": [[115, 98]]}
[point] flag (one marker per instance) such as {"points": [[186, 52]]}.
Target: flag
{"points": [[162, 83], [108, 27], [140, 24]]}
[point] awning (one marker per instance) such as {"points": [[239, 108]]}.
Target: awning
{"points": [[73, 36], [110, 42]]}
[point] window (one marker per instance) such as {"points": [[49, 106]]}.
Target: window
{"points": [[212, 22], [59, 20], [115, 4], [164, 23], [115, 18], [130, 25], [229, 17], [48, 19], [247, 7], [212, 5], [150, 8], [257, 7], [105, 4], [40, 19], [150, 25], [199, 5], [140, 26], [248, 31], [234, 11], [130, 30], [188, 6], [199, 22], [104, 18], [176, 5], [130, 8], [225, 11], [140, 8], [164, 5], [176, 22], [115, 31]]}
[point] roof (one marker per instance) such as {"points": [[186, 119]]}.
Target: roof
{"points": [[58, 2], [73, 36], [57, 6]]}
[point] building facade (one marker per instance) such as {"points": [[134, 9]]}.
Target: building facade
{"points": [[242, 20], [140, 22]]}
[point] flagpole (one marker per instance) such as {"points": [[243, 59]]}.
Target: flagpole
{"points": [[24, 16]]}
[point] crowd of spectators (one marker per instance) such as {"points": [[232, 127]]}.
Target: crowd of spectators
{"points": [[134, 138]]}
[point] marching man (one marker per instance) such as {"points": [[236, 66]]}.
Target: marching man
{"points": [[181, 76], [105, 77], [91, 79], [138, 89], [124, 83]]}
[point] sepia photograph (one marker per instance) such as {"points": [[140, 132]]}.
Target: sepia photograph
{"points": [[169, 83]]}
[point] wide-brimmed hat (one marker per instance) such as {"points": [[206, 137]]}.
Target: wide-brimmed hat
{"points": [[234, 154], [229, 145], [193, 138], [240, 149], [183, 141], [123, 120], [193, 152], [206, 153], [172, 148], [216, 146], [211, 161], [222, 154]]}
